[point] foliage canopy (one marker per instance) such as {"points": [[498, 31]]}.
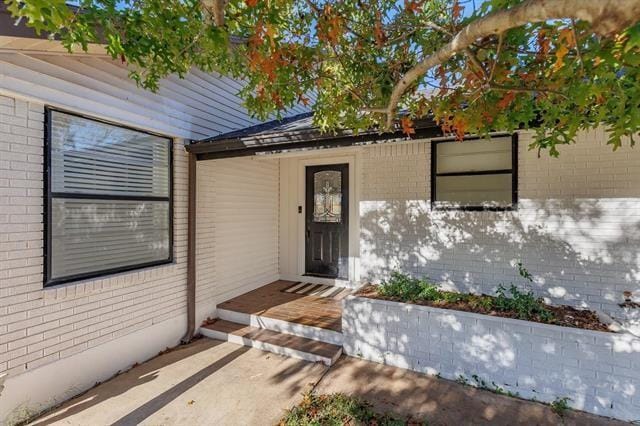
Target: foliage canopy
{"points": [[558, 66]]}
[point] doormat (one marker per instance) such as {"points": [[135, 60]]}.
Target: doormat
{"points": [[308, 289]]}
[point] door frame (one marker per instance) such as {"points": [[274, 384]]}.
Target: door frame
{"points": [[354, 222], [343, 261]]}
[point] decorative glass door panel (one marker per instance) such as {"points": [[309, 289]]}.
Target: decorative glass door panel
{"points": [[327, 190]]}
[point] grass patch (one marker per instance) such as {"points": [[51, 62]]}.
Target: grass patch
{"points": [[336, 410]]}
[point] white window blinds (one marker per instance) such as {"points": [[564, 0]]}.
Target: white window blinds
{"points": [[478, 174], [109, 198]]}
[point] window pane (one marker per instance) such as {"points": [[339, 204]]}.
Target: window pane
{"points": [[472, 156], [475, 190], [327, 188], [90, 157], [96, 235]]}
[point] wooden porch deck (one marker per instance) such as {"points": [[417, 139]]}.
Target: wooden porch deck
{"points": [[272, 302]]}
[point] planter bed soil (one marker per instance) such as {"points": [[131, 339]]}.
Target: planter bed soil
{"points": [[563, 315]]}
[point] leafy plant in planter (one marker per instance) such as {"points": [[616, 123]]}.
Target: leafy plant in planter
{"points": [[524, 303], [406, 288]]}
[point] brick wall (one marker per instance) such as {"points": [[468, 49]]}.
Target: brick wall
{"points": [[237, 228], [577, 226], [39, 326], [599, 371]]}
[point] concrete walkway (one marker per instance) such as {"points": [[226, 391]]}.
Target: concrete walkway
{"points": [[205, 383], [213, 383], [440, 402]]}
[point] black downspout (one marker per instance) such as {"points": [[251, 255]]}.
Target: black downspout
{"points": [[191, 251]]}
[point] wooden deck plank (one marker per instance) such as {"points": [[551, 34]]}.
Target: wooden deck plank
{"points": [[270, 301], [301, 344]]}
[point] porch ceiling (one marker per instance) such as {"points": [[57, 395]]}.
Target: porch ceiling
{"points": [[295, 133]]}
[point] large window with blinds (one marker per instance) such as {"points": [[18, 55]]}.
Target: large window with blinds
{"points": [[108, 198], [475, 174]]}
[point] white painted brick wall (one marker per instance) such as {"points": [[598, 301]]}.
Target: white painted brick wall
{"points": [[599, 371], [40, 326], [237, 228], [577, 227], [237, 248]]}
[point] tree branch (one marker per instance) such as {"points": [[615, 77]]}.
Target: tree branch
{"points": [[525, 90], [214, 10], [605, 16], [575, 38], [495, 62]]}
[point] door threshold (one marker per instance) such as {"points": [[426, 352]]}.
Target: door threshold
{"points": [[330, 277]]}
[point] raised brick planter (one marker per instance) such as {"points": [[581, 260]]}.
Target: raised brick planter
{"points": [[599, 371]]}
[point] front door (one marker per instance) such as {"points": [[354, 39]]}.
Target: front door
{"points": [[327, 221]]}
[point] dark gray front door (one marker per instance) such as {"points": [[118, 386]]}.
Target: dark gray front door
{"points": [[327, 221]]}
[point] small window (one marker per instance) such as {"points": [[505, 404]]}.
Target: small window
{"points": [[477, 174], [108, 198]]}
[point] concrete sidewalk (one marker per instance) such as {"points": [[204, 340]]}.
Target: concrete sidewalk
{"points": [[213, 383], [440, 402], [205, 383]]}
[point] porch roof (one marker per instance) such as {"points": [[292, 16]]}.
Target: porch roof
{"points": [[296, 133]]}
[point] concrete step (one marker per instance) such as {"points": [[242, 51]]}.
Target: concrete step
{"points": [[272, 341], [302, 330]]}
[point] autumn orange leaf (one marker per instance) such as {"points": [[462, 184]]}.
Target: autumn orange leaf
{"points": [[566, 40], [459, 126], [304, 100], [506, 100], [251, 3], [544, 44], [567, 35], [378, 32], [257, 38], [457, 10], [330, 26], [413, 6], [407, 126], [561, 52]]}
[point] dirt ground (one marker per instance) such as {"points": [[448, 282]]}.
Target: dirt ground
{"points": [[213, 383]]}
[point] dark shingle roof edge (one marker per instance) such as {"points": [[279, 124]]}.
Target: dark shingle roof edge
{"points": [[294, 133]]}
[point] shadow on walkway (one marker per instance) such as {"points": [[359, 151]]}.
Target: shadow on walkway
{"points": [[416, 396], [144, 374], [147, 409]]}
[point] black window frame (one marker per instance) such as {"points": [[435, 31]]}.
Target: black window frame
{"points": [[513, 171], [49, 194]]}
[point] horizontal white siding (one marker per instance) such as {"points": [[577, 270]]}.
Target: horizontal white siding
{"points": [[41, 44], [237, 227], [197, 106]]}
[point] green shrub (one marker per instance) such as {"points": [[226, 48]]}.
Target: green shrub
{"points": [[407, 288], [523, 303], [560, 405], [484, 303]]}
